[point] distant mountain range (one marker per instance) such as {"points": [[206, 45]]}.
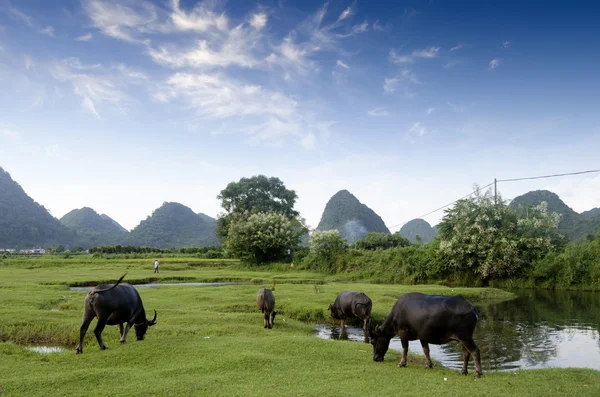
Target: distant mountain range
{"points": [[572, 224], [418, 227], [93, 229], [175, 225], [27, 224], [353, 219]]}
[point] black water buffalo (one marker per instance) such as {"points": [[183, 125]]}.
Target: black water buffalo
{"points": [[353, 305], [265, 300], [431, 319], [114, 305]]}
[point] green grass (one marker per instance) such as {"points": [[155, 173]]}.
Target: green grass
{"points": [[210, 340]]}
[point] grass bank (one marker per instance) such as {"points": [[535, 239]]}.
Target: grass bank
{"points": [[210, 341]]}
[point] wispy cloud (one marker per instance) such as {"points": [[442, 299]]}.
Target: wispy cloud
{"points": [[28, 62], [457, 47], [203, 18], [505, 44], [378, 112], [429, 111], [427, 53], [456, 107], [269, 116], [48, 31], [120, 21], [258, 21], [10, 135], [95, 84], [417, 130], [341, 64], [85, 37], [378, 27], [16, 14], [451, 64], [494, 63], [345, 14], [404, 79]]}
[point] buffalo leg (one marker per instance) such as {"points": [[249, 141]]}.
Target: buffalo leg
{"points": [[466, 357], [367, 324], [124, 334], [87, 319], [470, 345], [266, 320], [98, 332], [404, 352], [425, 346], [342, 324], [121, 330]]}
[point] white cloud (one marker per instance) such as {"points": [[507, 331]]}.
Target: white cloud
{"points": [[117, 20], [378, 112], [21, 16], [494, 63], [94, 84], [48, 31], [258, 21], [404, 79], [341, 64], [427, 53], [345, 14], [417, 130], [457, 47], [268, 116], [505, 44], [390, 85], [202, 18], [430, 111], [85, 37]]}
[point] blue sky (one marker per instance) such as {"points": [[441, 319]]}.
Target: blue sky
{"points": [[122, 105]]}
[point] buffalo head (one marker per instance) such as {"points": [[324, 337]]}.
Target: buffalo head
{"points": [[380, 343], [334, 312], [140, 329]]}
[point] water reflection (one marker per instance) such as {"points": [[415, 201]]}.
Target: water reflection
{"points": [[45, 349], [539, 329]]}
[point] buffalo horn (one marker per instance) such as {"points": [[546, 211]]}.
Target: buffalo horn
{"points": [[153, 321]]}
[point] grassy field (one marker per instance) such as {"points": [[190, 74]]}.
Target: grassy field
{"points": [[210, 340]]}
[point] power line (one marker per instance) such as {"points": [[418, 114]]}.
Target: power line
{"points": [[447, 205], [499, 180], [547, 176]]}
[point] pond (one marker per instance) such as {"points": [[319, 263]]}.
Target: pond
{"points": [[538, 329], [154, 285]]}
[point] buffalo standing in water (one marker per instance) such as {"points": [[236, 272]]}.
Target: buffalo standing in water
{"points": [[265, 300], [114, 305], [431, 319], [353, 305]]}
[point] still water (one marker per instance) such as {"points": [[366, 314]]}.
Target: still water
{"points": [[539, 329]]}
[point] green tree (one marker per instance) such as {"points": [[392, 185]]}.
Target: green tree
{"points": [[252, 195], [262, 236], [376, 240], [325, 247], [487, 237]]}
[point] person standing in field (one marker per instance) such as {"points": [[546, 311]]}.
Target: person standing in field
{"points": [[156, 266]]}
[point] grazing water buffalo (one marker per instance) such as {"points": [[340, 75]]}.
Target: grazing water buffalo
{"points": [[353, 305], [265, 300], [114, 305], [431, 319]]}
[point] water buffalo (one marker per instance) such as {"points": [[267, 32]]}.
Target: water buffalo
{"points": [[114, 305], [431, 319], [265, 300], [353, 305]]}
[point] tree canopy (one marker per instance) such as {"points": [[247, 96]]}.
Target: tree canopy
{"points": [[488, 238], [253, 195]]}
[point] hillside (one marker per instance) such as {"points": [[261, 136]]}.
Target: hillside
{"points": [[174, 225], [418, 227], [353, 219], [206, 217], [25, 223], [93, 229], [117, 224], [572, 225]]}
